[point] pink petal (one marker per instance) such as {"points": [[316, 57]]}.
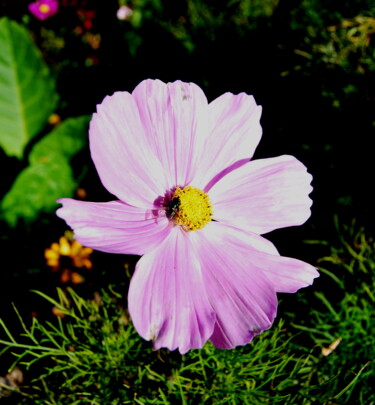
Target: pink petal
{"points": [[126, 164], [286, 274], [234, 133], [174, 117], [167, 298], [243, 298], [114, 227], [263, 195]]}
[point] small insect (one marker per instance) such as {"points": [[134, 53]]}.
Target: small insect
{"points": [[173, 207]]}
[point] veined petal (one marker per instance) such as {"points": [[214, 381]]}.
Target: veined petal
{"points": [[114, 227], [120, 149], [243, 298], [263, 195], [242, 273], [285, 273], [174, 117], [234, 134], [167, 298]]}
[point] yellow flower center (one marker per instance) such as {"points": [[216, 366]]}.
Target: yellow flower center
{"points": [[44, 8], [190, 208]]}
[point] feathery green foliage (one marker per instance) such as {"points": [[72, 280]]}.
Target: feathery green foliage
{"points": [[91, 354]]}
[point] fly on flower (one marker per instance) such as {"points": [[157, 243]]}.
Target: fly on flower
{"points": [[193, 203]]}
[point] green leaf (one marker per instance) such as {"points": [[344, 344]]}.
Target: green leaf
{"points": [[49, 175], [66, 140], [36, 189], [27, 90]]}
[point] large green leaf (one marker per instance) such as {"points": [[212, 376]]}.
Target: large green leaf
{"points": [[49, 175], [36, 190], [27, 90], [66, 140]]}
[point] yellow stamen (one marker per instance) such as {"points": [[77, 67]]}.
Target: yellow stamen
{"points": [[190, 208], [44, 8]]}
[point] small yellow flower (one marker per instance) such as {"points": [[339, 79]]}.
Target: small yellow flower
{"points": [[68, 248]]}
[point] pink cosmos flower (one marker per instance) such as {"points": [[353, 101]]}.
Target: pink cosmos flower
{"points": [[193, 204], [42, 9]]}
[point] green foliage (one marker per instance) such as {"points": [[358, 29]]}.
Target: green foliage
{"points": [[65, 141], [204, 19], [27, 99], [344, 42], [348, 44], [197, 19], [36, 189], [92, 354], [343, 311], [27, 90], [49, 175]]}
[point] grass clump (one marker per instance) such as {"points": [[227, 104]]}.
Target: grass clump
{"points": [[342, 317], [92, 354]]}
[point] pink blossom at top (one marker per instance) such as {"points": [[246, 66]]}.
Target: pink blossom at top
{"points": [[43, 9], [193, 203]]}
